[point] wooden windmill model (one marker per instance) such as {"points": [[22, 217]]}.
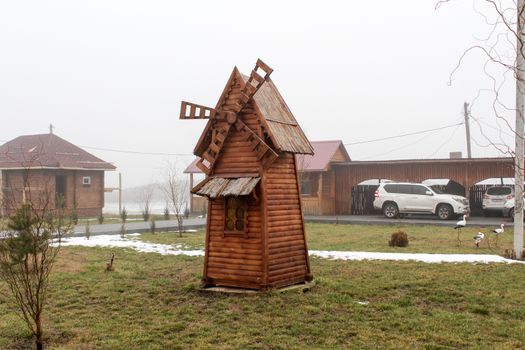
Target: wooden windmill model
{"points": [[255, 230]]}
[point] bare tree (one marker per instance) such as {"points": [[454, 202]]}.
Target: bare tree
{"points": [[503, 49], [28, 250], [145, 197], [175, 188]]}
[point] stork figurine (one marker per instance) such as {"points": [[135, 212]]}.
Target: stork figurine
{"points": [[498, 232], [459, 225], [478, 238]]}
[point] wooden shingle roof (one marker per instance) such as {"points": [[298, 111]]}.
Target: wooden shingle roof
{"points": [[282, 126], [214, 187], [283, 129], [48, 151]]}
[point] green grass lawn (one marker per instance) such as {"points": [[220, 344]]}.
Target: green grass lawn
{"points": [[151, 302], [374, 238]]}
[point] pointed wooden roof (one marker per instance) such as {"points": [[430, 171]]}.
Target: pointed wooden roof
{"points": [[48, 151], [276, 117]]}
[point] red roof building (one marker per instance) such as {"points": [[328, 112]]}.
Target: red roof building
{"points": [[35, 166]]}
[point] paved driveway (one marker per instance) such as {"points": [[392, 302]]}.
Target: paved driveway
{"points": [[197, 223]]}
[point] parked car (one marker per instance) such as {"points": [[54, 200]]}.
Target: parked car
{"points": [[415, 198], [494, 199], [508, 208]]}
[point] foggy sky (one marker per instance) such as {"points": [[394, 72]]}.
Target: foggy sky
{"points": [[111, 74]]}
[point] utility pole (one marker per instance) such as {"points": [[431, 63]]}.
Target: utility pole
{"points": [[119, 194], [467, 130], [518, 161]]}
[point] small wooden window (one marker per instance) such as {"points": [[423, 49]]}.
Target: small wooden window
{"points": [[235, 216], [306, 184], [86, 180]]}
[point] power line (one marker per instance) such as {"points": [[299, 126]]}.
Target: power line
{"points": [[399, 148], [138, 152], [444, 143], [403, 135], [346, 144]]}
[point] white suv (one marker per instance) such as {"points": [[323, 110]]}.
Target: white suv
{"points": [[413, 198], [495, 198]]}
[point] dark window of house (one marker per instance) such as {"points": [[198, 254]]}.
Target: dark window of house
{"points": [[86, 180], [60, 190], [306, 185], [235, 215]]}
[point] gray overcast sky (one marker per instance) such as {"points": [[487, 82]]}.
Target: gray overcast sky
{"points": [[111, 74]]}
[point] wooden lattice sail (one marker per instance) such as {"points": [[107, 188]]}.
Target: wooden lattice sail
{"points": [[255, 235]]}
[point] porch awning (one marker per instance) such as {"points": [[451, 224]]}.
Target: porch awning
{"points": [[220, 187]]}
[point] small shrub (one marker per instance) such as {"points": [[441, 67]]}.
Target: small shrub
{"points": [[87, 231], [74, 216], [398, 239], [122, 230], [101, 218], [124, 215], [166, 213], [152, 225]]}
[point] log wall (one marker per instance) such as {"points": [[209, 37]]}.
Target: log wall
{"points": [[234, 260], [287, 253]]}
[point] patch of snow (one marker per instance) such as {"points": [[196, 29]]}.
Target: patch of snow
{"points": [[422, 257], [131, 241], [363, 302]]}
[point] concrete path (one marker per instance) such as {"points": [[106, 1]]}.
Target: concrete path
{"points": [[140, 227]]}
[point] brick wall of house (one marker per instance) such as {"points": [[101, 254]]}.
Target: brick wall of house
{"points": [[41, 186]]}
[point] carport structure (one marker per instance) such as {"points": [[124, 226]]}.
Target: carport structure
{"points": [[466, 172]]}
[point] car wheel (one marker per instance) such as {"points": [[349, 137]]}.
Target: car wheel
{"points": [[390, 210], [444, 211]]}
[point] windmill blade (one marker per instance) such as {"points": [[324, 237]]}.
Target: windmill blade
{"points": [[264, 152], [190, 110], [254, 83], [209, 157]]}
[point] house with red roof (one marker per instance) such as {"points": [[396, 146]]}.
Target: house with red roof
{"points": [[41, 168], [316, 175]]}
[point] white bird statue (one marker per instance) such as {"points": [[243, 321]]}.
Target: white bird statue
{"points": [[498, 232], [461, 223], [478, 238]]}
